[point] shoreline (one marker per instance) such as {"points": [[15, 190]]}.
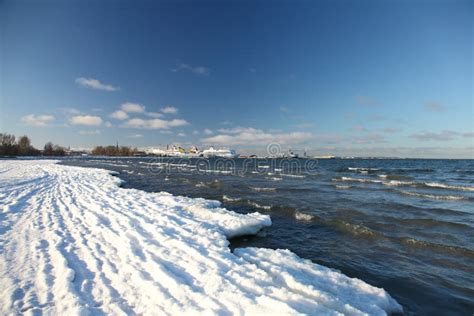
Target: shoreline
{"points": [[207, 230]]}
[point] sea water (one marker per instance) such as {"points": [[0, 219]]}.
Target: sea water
{"points": [[406, 225]]}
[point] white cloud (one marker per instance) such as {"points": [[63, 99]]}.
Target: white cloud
{"points": [[198, 70], [182, 134], [154, 123], [252, 136], [135, 136], [89, 120], [195, 132], [95, 84], [37, 120], [207, 131], [237, 130], [95, 132], [108, 124], [132, 107], [169, 110], [119, 115]]}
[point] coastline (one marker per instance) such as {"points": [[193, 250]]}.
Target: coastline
{"points": [[184, 239]]}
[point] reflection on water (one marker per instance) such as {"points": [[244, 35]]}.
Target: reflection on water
{"points": [[404, 225]]}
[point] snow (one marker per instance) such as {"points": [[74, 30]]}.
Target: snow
{"points": [[73, 242]]}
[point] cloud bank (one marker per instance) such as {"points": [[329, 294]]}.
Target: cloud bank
{"points": [[252, 136], [88, 120], [154, 123], [37, 120]]}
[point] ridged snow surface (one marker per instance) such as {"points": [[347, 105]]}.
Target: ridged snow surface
{"points": [[73, 242]]}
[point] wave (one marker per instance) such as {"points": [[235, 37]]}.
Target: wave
{"points": [[303, 216], [363, 180], [394, 177], [464, 171], [363, 170], [407, 183], [412, 242], [263, 189], [229, 199], [353, 229], [260, 206], [449, 187], [434, 197], [293, 175], [411, 170], [343, 186]]}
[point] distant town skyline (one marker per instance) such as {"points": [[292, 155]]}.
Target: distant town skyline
{"points": [[365, 78]]}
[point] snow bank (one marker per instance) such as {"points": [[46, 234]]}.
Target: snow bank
{"points": [[73, 242]]}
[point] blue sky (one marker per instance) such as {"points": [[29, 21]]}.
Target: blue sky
{"points": [[391, 78]]}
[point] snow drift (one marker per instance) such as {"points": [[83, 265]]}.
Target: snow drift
{"points": [[73, 242]]}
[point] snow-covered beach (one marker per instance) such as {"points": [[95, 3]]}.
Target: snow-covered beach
{"points": [[73, 242]]}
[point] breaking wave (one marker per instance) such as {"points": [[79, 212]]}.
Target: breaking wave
{"points": [[433, 196], [229, 199], [260, 206], [412, 242], [407, 183], [303, 217], [263, 189]]}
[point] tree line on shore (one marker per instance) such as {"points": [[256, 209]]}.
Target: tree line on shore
{"points": [[9, 146], [113, 151]]}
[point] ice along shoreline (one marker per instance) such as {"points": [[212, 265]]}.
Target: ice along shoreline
{"points": [[73, 241]]}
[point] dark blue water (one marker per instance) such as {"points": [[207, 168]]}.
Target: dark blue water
{"points": [[404, 225]]}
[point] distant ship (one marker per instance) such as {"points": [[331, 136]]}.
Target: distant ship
{"points": [[221, 152]]}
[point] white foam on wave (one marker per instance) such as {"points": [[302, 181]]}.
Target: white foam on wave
{"points": [[449, 187], [75, 243], [399, 183], [260, 206], [303, 216], [289, 175], [365, 180], [407, 183], [229, 199], [362, 169], [434, 197], [263, 189]]}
